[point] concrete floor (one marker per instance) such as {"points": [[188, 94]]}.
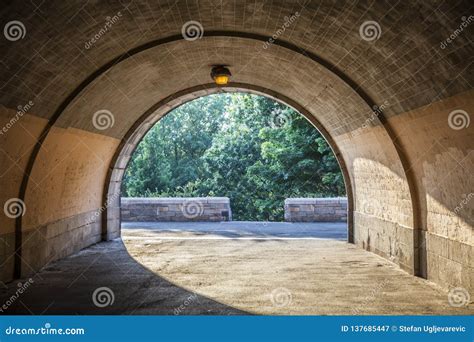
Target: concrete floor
{"points": [[228, 269], [246, 229]]}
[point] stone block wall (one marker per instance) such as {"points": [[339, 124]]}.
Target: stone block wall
{"points": [[443, 160], [178, 209], [316, 209]]}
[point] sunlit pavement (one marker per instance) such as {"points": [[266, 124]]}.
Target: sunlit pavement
{"points": [[226, 269], [244, 229]]}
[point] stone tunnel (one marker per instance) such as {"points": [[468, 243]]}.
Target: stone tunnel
{"points": [[388, 85]]}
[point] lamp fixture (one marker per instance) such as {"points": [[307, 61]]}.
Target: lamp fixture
{"points": [[220, 74]]}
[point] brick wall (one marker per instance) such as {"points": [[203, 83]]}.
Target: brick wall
{"points": [[181, 209], [316, 209]]}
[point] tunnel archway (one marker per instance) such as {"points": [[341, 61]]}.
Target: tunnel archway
{"points": [[111, 203], [400, 209], [359, 102]]}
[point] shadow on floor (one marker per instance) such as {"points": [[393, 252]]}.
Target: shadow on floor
{"points": [[66, 287]]}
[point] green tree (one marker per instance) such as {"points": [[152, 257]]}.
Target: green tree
{"points": [[249, 148], [169, 156]]}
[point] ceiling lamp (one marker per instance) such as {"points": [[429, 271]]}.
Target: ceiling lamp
{"points": [[220, 74]]}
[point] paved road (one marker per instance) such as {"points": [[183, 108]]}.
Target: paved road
{"points": [[247, 229], [230, 268]]}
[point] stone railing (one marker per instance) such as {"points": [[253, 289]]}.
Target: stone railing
{"points": [[316, 209], [179, 209]]}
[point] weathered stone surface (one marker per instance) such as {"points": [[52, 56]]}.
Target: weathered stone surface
{"points": [[316, 209], [176, 209]]}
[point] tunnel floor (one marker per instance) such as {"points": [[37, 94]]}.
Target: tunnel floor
{"points": [[228, 269]]}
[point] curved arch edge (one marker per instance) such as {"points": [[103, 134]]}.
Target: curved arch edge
{"points": [[123, 153]]}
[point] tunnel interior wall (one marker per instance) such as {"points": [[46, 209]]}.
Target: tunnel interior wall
{"points": [[416, 213], [442, 161], [383, 215], [440, 150]]}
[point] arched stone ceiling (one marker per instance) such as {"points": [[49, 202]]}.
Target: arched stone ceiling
{"points": [[51, 60], [129, 88]]}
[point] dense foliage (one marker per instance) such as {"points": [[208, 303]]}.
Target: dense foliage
{"points": [[249, 148]]}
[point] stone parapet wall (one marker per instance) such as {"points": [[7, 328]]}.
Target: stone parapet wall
{"points": [[177, 209], [316, 209]]}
